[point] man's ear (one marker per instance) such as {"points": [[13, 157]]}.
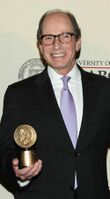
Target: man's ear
{"points": [[39, 46], [78, 44]]}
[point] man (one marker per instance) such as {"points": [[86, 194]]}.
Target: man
{"points": [[63, 170]]}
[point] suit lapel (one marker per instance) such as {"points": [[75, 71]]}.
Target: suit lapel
{"points": [[44, 95], [90, 93]]}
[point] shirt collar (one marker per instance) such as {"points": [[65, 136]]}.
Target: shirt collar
{"points": [[55, 77]]}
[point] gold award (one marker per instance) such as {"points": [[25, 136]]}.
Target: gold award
{"points": [[25, 137]]}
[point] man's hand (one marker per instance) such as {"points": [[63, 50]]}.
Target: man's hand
{"points": [[28, 172]]}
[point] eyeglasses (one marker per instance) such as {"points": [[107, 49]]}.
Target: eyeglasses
{"points": [[64, 38]]}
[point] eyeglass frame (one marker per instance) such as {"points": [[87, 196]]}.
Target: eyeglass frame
{"points": [[54, 36]]}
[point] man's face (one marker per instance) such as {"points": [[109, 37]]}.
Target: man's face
{"points": [[61, 57]]}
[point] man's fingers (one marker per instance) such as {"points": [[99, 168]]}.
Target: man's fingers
{"points": [[15, 162], [35, 170], [23, 173], [27, 172], [39, 168]]}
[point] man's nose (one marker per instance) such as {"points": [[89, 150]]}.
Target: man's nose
{"points": [[56, 43]]}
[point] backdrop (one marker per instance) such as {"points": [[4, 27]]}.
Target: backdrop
{"points": [[19, 57]]}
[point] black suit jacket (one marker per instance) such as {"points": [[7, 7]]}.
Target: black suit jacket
{"points": [[32, 101]]}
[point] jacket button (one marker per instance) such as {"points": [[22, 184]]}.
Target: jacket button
{"points": [[76, 154]]}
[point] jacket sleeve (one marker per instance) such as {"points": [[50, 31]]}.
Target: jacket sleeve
{"points": [[7, 146]]}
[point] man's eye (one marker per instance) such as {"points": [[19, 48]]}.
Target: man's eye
{"points": [[48, 38], [66, 35]]}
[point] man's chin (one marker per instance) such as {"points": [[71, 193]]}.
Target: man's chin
{"points": [[58, 66]]}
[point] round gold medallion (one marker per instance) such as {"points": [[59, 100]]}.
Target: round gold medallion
{"points": [[25, 136]]}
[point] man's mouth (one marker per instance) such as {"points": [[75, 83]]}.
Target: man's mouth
{"points": [[57, 55]]}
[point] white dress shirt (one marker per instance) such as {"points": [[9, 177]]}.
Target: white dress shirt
{"points": [[75, 86]]}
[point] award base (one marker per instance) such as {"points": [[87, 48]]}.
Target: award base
{"points": [[27, 158]]}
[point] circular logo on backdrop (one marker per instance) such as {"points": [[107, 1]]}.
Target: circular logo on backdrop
{"points": [[30, 67]]}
